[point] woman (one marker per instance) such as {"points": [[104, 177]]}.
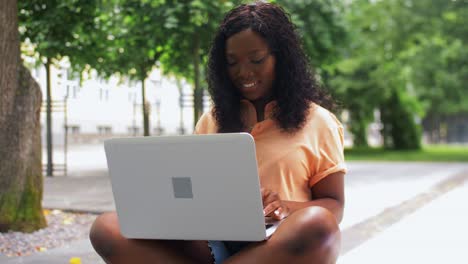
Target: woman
{"points": [[261, 83]]}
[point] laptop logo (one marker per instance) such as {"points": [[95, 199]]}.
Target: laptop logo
{"points": [[182, 187]]}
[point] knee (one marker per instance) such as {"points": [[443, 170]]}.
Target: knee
{"points": [[313, 229], [104, 234]]}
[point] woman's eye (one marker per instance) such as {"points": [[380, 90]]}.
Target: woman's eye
{"points": [[231, 63], [258, 61]]}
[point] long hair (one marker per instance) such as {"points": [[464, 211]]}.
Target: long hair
{"points": [[294, 87]]}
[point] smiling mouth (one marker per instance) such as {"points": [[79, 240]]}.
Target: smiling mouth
{"points": [[249, 86]]}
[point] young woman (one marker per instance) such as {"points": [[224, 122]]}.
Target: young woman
{"points": [[261, 83]]}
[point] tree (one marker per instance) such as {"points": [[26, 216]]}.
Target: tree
{"points": [[397, 117], [322, 28], [436, 59], [418, 49], [128, 42], [354, 85], [55, 29], [190, 26], [373, 74], [20, 141]]}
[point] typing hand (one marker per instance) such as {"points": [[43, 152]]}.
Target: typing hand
{"points": [[273, 206]]}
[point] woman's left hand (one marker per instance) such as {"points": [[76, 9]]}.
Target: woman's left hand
{"points": [[273, 206]]}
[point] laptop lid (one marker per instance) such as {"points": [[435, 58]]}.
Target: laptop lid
{"points": [[193, 187]]}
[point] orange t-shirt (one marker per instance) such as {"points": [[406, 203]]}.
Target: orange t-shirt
{"points": [[291, 164]]}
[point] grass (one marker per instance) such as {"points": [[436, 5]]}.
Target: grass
{"points": [[432, 153]]}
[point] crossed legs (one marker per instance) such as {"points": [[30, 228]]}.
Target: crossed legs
{"points": [[309, 235]]}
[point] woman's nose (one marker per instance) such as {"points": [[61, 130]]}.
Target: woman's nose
{"points": [[245, 71]]}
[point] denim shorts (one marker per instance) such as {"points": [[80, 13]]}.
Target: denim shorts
{"points": [[222, 250]]}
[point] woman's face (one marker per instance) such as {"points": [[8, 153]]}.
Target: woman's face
{"points": [[251, 65]]}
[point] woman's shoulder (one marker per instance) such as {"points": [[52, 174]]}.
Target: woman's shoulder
{"points": [[320, 117], [206, 124]]}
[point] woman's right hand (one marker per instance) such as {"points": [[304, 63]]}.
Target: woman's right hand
{"points": [[273, 206]]}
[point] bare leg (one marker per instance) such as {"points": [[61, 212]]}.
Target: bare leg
{"points": [[108, 242], [310, 235]]}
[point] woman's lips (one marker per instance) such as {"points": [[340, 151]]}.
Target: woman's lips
{"points": [[249, 86]]}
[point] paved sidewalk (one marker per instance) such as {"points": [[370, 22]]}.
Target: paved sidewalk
{"points": [[437, 233], [387, 203]]}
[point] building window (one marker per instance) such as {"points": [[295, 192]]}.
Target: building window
{"points": [[104, 130], [75, 91]]}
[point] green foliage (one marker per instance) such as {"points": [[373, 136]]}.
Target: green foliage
{"points": [[129, 38], [406, 58], [128, 41], [57, 28], [439, 153], [438, 54], [190, 27], [359, 94], [322, 28]]}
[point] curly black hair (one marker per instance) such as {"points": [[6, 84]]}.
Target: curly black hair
{"points": [[294, 87]]}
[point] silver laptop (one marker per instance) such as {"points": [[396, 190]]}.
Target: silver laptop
{"points": [[194, 187]]}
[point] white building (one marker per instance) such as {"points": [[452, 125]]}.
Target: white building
{"points": [[100, 108]]}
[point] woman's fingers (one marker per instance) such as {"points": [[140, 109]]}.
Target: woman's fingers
{"points": [[281, 212], [272, 205], [269, 196], [265, 196], [270, 209]]}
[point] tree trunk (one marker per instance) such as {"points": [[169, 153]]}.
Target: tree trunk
{"points": [[50, 163], [21, 179], [144, 107], [181, 105], [399, 124], [197, 91]]}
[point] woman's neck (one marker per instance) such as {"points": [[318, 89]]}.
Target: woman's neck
{"points": [[260, 107]]}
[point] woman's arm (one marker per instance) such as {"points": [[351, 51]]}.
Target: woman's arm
{"points": [[327, 193]]}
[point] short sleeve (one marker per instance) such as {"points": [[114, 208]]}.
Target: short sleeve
{"points": [[329, 149], [206, 124]]}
